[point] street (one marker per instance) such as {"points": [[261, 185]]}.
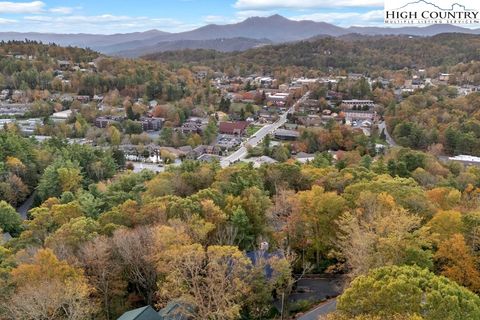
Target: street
{"points": [[253, 141], [323, 309], [382, 127]]}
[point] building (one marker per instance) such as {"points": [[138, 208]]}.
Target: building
{"points": [[234, 128], [103, 122], [83, 99], [355, 115], [61, 116], [466, 160], [144, 313], [444, 76], [283, 134], [259, 161], [178, 310], [192, 126], [200, 150], [304, 157], [279, 98], [354, 103], [151, 124]]}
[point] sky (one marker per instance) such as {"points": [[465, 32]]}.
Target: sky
{"points": [[121, 16]]}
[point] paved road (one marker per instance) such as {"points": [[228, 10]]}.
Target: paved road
{"points": [[390, 141], [321, 310], [242, 152], [24, 207]]}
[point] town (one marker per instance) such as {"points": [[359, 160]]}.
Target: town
{"points": [[229, 166], [251, 108]]}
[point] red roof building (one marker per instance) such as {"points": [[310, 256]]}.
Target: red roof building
{"points": [[236, 128]]}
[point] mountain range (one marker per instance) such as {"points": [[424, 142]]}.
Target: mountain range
{"points": [[250, 33]]}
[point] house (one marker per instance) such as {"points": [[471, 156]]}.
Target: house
{"points": [[83, 99], [444, 76], [200, 150], [177, 310], [191, 127], [259, 161], [304, 157], [209, 158], [61, 116], [234, 128], [312, 120], [63, 64], [144, 313], [283, 134]]}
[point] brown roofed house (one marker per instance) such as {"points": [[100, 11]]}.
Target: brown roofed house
{"points": [[233, 127]]}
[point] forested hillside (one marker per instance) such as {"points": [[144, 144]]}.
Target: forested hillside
{"points": [[353, 54]]}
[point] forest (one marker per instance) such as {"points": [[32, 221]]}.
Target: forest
{"points": [[103, 241], [355, 53], [437, 119]]}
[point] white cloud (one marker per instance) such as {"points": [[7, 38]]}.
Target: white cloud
{"points": [[61, 10], [303, 4], [104, 24], [7, 21], [245, 14], [370, 18], [21, 7], [216, 19]]}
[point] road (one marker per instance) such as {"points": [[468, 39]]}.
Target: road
{"points": [[25, 206], [321, 310], [253, 141], [390, 141]]}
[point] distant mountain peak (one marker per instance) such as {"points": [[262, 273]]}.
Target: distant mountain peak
{"points": [[424, 2]]}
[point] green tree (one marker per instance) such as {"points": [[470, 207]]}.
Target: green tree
{"points": [[408, 290], [10, 220]]}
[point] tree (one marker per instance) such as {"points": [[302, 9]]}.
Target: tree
{"points": [[73, 234], [134, 249], [214, 280], [455, 261], [408, 290], [10, 220], [58, 177], [48, 288], [102, 272], [316, 210], [210, 132], [444, 224], [69, 178], [380, 233]]}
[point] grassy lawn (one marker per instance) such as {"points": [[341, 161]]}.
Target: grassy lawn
{"points": [[237, 106], [252, 129]]}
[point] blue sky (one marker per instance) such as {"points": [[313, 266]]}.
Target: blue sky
{"points": [[112, 16]]}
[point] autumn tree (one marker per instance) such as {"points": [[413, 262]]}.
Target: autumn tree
{"points": [[103, 273], [315, 212], [379, 233], [455, 261], [47, 288], [213, 279]]}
